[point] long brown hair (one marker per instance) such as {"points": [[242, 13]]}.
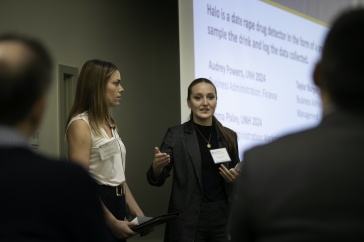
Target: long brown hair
{"points": [[91, 93], [226, 133]]}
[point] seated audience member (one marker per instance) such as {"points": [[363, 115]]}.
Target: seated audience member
{"points": [[307, 186], [42, 199]]}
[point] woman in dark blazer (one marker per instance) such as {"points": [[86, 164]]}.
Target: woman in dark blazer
{"points": [[202, 182]]}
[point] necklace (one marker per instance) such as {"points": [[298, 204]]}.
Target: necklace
{"points": [[207, 141]]}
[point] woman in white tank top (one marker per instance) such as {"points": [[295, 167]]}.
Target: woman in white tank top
{"points": [[93, 142]]}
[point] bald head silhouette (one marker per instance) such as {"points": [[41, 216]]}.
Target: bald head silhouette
{"points": [[25, 75]]}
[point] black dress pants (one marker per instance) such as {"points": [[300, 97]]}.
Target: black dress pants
{"points": [[115, 204], [212, 223]]}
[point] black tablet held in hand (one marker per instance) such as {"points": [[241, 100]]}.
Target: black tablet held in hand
{"points": [[150, 222]]}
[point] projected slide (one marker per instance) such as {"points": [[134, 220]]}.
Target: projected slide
{"points": [[260, 58]]}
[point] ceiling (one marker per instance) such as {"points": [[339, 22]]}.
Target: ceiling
{"points": [[322, 10]]}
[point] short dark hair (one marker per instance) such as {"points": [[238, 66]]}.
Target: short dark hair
{"points": [[343, 60], [21, 87]]}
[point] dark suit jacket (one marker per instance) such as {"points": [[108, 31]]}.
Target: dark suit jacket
{"points": [[47, 200], [186, 195], [307, 186]]}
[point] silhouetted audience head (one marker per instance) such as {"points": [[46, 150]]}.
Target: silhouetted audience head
{"points": [[25, 75], [342, 63]]}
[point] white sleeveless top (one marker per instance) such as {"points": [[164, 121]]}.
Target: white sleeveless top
{"points": [[110, 171]]}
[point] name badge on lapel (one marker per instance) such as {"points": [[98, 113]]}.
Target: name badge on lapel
{"points": [[220, 155], [109, 149]]}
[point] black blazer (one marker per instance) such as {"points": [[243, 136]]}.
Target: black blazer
{"points": [[306, 186], [47, 200], [186, 196]]}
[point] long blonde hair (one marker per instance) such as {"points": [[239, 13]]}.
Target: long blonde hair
{"points": [[91, 94]]}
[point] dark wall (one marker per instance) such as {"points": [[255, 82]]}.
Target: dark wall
{"points": [[151, 100], [141, 38]]}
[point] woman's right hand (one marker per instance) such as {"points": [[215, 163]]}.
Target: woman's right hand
{"points": [[160, 161], [121, 229]]}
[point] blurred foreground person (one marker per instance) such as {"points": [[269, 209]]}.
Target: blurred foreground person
{"points": [[42, 199], [307, 186]]}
